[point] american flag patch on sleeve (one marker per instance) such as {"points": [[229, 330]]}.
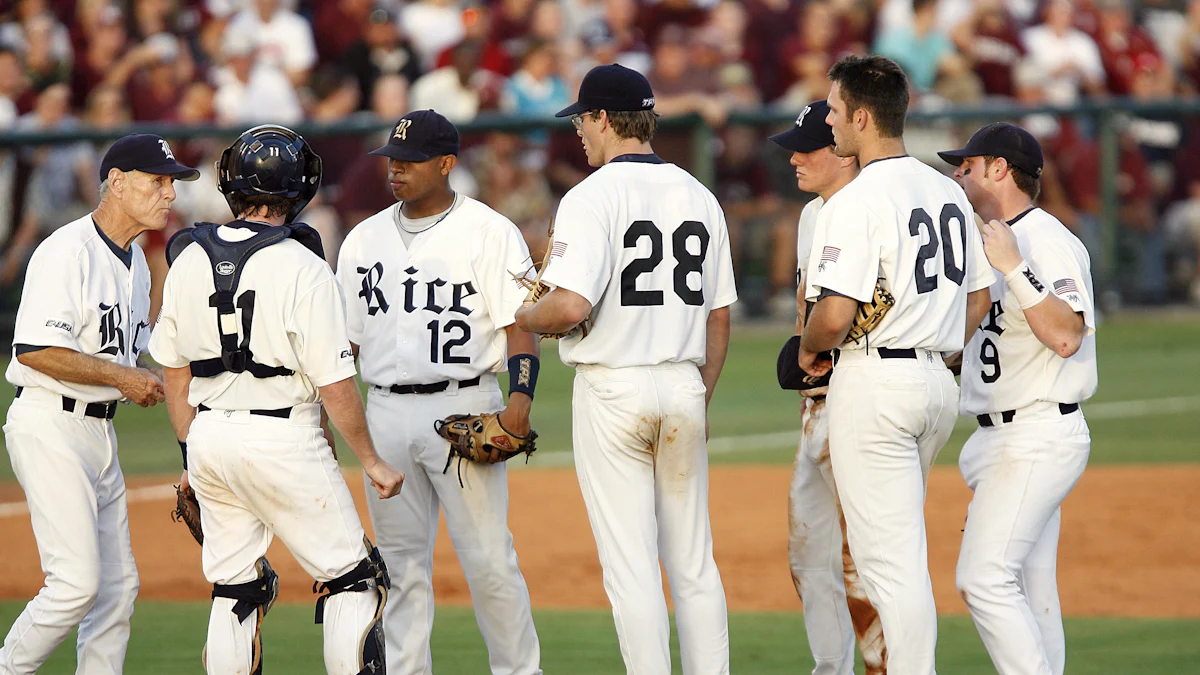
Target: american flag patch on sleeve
{"points": [[558, 249], [1063, 286], [830, 254]]}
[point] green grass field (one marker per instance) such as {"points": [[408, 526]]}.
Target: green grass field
{"points": [[1147, 410], [167, 638]]}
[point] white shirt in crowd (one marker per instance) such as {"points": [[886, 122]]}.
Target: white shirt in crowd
{"points": [[286, 41], [1050, 53], [268, 96]]}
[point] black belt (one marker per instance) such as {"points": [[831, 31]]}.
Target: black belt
{"points": [[104, 411], [885, 353], [277, 412], [1008, 415], [426, 388]]}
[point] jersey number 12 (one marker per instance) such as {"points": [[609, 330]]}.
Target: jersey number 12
{"points": [[919, 219], [686, 262]]}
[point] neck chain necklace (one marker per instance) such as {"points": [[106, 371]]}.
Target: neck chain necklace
{"points": [[400, 217]]}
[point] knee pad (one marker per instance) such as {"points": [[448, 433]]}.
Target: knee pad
{"points": [[257, 596], [370, 574]]}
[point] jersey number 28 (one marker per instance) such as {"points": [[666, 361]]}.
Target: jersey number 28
{"points": [[919, 219], [686, 262]]}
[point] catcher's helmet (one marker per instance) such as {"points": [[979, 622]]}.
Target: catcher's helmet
{"points": [[270, 160]]}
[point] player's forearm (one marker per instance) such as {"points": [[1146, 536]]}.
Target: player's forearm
{"points": [[717, 341], [68, 365], [558, 312], [979, 303], [1056, 325], [826, 327], [344, 403], [801, 305], [178, 382]]}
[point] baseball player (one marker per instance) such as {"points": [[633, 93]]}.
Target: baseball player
{"points": [[430, 315], [836, 607], [902, 232], [78, 346], [1024, 374], [252, 338], [642, 248]]}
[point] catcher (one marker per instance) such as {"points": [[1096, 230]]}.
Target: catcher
{"points": [[430, 305]]}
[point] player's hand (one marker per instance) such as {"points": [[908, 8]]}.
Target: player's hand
{"points": [[1000, 245], [385, 479], [142, 387], [812, 365]]}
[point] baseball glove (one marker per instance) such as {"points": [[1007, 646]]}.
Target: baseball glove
{"points": [[187, 509], [538, 290], [482, 438], [870, 314]]}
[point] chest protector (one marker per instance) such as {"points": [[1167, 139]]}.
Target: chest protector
{"points": [[228, 259]]}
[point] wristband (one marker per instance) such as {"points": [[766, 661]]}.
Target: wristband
{"points": [[523, 374], [183, 451], [1025, 286]]}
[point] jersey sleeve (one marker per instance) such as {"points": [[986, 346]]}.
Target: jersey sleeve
{"points": [[164, 340], [1067, 274], [581, 256], [503, 258], [349, 278], [51, 312], [847, 260], [805, 230], [725, 293], [318, 333], [980, 270]]}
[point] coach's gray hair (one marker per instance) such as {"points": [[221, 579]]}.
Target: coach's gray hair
{"points": [[103, 191]]}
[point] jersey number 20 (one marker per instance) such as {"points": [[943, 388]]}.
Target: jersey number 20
{"points": [[921, 219], [686, 262]]}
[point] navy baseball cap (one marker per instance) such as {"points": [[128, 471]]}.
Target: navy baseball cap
{"points": [[613, 88], [419, 137], [810, 133], [1001, 139], [146, 153]]}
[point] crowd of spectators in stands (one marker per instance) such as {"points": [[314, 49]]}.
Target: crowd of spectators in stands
{"points": [[66, 64]]}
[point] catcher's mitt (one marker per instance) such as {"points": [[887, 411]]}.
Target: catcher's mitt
{"points": [[482, 438], [870, 314], [538, 290], [187, 509]]}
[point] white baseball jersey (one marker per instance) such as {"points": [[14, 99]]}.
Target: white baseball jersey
{"points": [[1005, 366], [434, 310], [82, 293], [806, 230], [902, 222], [298, 321], [647, 245]]}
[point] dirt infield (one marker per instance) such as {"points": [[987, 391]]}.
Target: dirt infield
{"points": [[1129, 546]]}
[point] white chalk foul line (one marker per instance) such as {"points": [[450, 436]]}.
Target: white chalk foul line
{"points": [[733, 444]]}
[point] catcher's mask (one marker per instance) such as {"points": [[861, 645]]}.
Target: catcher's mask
{"points": [[270, 160]]}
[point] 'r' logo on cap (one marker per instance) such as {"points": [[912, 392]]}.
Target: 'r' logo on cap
{"points": [[166, 149], [402, 130], [800, 119]]}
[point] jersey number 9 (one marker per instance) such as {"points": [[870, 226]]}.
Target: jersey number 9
{"points": [[919, 219], [686, 262]]}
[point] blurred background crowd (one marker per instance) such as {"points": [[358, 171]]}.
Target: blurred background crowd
{"points": [[104, 64]]}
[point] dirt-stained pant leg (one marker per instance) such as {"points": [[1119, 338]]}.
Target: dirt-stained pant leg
{"points": [[642, 464], [837, 611]]}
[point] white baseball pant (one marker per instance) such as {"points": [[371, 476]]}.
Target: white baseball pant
{"points": [[642, 461], [476, 518], [837, 611], [1021, 472], [257, 477], [888, 418], [67, 465]]}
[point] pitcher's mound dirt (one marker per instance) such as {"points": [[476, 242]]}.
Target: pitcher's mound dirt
{"points": [[1129, 547]]}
